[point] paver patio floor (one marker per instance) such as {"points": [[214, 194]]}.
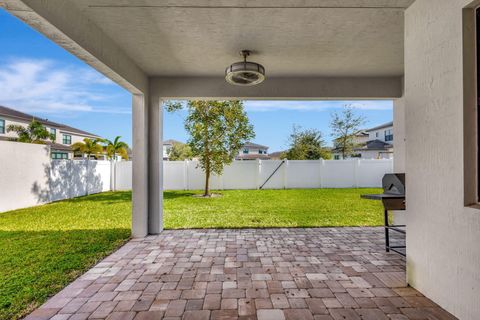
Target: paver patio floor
{"points": [[305, 273]]}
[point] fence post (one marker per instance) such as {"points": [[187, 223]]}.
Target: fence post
{"points": [[322, 164], [113, 178], [285, 175], [259, 172], [185, 174]]}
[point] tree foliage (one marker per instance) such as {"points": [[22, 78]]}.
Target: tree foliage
{"points": [[344, 126], [217, 129], [306, 145], [116, 147], [89, 147], [35, 132], [180, 152]]}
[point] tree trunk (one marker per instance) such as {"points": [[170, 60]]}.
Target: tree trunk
{"points": [[207, 181]]}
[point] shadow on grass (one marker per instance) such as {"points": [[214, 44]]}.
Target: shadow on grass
{"points": [[175, 194], [36, 265], [125, 196], [106, 197]]}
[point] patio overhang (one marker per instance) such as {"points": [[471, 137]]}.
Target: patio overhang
{"points": [[332, 49]]}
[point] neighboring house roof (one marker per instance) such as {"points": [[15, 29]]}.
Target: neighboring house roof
{"points": [[375, 145], [362, 133], [252, 157], [385, 125], [60, 147], [249, 144], [8, 112], [171, 142]]}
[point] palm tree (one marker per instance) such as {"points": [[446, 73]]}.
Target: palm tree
{"points": [[88, 147], [116, 147], [35, 132]]}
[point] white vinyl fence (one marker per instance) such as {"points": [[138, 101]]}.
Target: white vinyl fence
{"points": [[291, 174], [29, 177]]}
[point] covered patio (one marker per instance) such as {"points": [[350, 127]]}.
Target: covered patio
{"points": [[301, 273], [420, 53]]}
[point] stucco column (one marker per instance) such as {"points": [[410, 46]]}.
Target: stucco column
{"points": [[399, 217], [140, 166], [399, 135], [155, 162]]}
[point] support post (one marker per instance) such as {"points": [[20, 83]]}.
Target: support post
{"points": [[155, 164], [140, 166]]}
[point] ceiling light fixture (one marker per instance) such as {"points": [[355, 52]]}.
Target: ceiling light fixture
{"points": [[245, 73]]}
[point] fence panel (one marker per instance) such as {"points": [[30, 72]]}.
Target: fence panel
{"points": [[304, 174], [370, 172], [122, 175], [277, 181], [339, 174], [241, 175], [174, 177]]}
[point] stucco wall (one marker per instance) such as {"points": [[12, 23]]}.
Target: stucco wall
{"points": [[20, 176], [28, 176], [443, 236]]}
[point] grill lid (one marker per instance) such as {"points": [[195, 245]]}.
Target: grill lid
{"points": [[394, 183]]}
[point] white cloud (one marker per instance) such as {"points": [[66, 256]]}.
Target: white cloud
{"points": [[324, 105], [46, 87]]}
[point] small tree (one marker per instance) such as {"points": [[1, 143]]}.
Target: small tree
{"points": [[306, 145], [218, 129], [180, 152], [116, 147], [35, 132], [344, 125], [89, 147]]}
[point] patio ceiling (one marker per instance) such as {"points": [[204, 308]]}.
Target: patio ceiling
{"points": [[290, 38], [359, 42]]}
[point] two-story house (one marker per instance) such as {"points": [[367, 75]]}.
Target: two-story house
{"points": [[252, 151], [65, 136], [167, 146], [374, 143]]}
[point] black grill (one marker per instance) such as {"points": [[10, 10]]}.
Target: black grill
{"points": [[393, 198]]}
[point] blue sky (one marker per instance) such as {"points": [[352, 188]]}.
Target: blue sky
{"points": [[39, 77]]}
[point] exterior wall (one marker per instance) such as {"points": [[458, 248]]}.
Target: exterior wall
{"points": [[30, 177], [381, 134], [252, 151], [443, 236], [59, 133], [10, 121], [399, 134], [24, 168]]}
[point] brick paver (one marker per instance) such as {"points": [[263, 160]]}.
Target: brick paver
{"points": [[304, 273]]}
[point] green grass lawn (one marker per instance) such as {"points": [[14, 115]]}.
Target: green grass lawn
{"points": [[44, 248]]}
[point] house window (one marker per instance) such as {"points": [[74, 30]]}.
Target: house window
{"points": [[389, 135], [245, 151], [376, 134], [53, 132], [2, 126], [336, 157], [59, 155], [67, 139]]}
